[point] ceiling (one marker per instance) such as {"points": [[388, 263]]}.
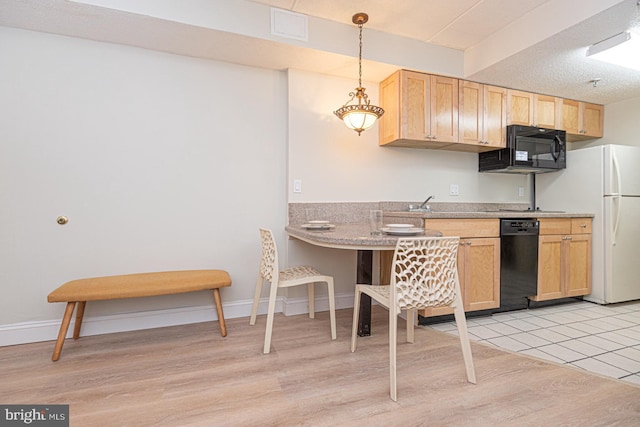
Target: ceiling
{"points": [[458, 24], [552, 63]]}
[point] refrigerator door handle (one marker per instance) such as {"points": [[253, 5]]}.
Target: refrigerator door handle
{"points": [[616, 199], [616, 170], [617, 205]]}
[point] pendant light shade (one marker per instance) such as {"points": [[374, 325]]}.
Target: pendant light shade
{"points": [[362, 115]]}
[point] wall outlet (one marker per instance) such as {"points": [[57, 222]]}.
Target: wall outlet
{"points": [[453, 190], [297, 186], [520, 191]]}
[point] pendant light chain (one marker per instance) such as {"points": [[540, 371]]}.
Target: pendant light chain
{"points": [[358, 113], [360, 59]]}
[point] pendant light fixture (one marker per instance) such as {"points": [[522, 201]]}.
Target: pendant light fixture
{"points": [[362, 115]]}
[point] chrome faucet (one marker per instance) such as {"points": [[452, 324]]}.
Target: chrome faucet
{"points": [[424, 205]]}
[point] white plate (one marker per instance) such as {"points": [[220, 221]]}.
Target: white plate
{"points": [[317, 226], [400, 226], [403, 232], [318, 221]]}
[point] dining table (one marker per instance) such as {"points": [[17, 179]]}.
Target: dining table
{"points": [[358, 237]]}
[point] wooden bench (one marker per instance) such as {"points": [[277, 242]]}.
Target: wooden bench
{"points": [[133, 286]]}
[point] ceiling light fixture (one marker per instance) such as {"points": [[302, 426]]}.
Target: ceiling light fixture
{"points": [[622, 49], [362, 115]]}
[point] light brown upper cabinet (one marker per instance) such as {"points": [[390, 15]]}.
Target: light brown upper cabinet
{"points": [[421, 110], [519, 108], [532, 109], [431, 111], [547, 111], [581, 120], [483, 117]]}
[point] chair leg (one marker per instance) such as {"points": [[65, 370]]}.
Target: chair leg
{"points": [[332, 307], [256, 301], [411, 322], [270, 314], [312, 301], [461, 323], [356, 314], [79, 317], [393, 330]]}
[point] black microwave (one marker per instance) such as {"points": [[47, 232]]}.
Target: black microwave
{"points": [[529, 150]]}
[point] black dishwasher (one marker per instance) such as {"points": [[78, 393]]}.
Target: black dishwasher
{"points": [[518, 263]]}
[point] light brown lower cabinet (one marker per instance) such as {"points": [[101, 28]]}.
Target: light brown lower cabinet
{"points": [[478, 271], [478, 262], [564, 258]]}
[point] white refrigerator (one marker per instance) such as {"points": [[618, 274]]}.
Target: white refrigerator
{"points": [[605, 181]]}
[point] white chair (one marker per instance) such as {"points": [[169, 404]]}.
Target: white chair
{"points": [[424, 274], [269, 271]]}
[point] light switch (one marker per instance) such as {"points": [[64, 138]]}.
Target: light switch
{"points": [[297, 186], [453, 190]]}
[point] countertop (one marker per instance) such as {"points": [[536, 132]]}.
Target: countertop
{"points": [[349, 236], [487, 214], [397, 212]]}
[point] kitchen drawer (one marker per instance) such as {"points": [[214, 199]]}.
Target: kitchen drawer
{"points": [[581, 226], [555, 225], [465, 228]]}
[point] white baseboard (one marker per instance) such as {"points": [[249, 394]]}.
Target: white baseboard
{"points": [[47, 330]]}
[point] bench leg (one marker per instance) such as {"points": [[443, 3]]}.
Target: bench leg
{"points": [[64, 327], [79, 316], [218, 301]]}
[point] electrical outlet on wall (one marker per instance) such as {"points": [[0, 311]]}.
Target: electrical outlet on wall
{"points": [[297, 186], [454, 190], [520, 191]]}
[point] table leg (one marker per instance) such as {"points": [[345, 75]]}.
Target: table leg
{"points": [[364, 277]]}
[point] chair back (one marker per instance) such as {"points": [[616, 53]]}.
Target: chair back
{"points": [[424, 272], [269, 263]]}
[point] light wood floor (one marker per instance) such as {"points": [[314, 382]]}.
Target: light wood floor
{"points": [[190, 376]]}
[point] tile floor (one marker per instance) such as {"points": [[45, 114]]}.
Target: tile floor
{"points": [[597, 338]]}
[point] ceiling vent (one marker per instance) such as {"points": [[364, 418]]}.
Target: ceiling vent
{"points": [[289, 24]]}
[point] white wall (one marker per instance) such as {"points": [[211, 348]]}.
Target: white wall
{"points": [[335, 164], [621, 124], [166, 162], [160, 162]]}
